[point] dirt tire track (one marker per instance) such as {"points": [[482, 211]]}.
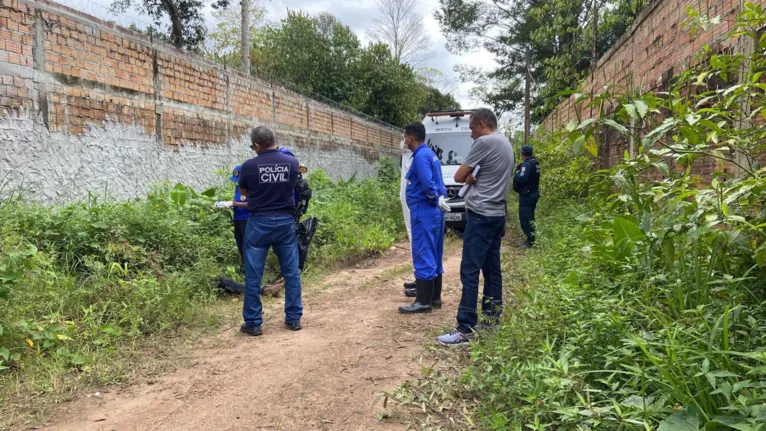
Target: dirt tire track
{"points": [[326, 377]]}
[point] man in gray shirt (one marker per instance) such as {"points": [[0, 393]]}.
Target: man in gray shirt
{"points": [[491, 159]]}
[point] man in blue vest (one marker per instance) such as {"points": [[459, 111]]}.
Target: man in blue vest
{"points": [[240, 213], [269, 181], [426, 200], [526, 182]]}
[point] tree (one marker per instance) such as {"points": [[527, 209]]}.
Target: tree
{"points": [[388, 90], [401, 27], [437, 79], [245, 35], [437, 101], [224, 44], [313, 54], [321, 55], [187, 25], [556, 33]]}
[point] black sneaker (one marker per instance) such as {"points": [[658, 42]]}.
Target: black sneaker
{"points": [[294, 326], [253, 331]]}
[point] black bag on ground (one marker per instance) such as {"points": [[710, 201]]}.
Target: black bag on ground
{"points": [[227, 285]]}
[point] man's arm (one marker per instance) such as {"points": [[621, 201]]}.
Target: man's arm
{"points": [[523, 174], [474, 158], [426, 179], [462, 174]]}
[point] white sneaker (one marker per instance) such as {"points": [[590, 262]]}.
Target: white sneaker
{"points": [[454, 338]]}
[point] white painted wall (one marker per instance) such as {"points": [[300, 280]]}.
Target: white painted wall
{"points": [[125, 161]]}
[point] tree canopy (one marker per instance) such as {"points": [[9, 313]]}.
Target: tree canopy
{"points": [[557, 33], [187, 25], [321, 55]]}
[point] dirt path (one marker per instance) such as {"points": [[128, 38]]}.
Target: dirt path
{"points": [[326, 377]]}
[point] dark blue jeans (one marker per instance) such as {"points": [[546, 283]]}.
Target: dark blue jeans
{"points": [[261, 234], [481, 252]]}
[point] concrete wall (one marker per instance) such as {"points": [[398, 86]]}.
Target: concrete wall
{"points": [[646, 57], [85, 105]]}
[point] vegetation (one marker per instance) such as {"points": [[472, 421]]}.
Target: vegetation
{"points": [[558, 34], [178, 22], [321, 55], [80, 283], [644, 306]]}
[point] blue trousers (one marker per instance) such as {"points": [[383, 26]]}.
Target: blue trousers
{"points": [[261, 234], [527, 205], [427, 225], [481, 252]]}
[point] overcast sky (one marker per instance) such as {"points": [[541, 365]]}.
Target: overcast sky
{"points": [[358, 14]]}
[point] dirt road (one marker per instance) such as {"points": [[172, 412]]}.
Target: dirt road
{"points": [[326, 377]]}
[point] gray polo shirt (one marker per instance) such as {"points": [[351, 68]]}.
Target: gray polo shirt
{"points": [[489, 195]]}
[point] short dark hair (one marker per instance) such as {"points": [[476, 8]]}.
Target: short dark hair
{"points": [[263, 136], [416, 130], [486, 115]]}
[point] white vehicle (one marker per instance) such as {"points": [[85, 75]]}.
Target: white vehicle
{"points": [[449, 137]]}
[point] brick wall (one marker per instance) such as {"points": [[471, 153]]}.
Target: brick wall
{"points": [[78, 77], [652, 51]]}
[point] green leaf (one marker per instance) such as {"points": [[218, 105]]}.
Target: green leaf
{"points": [[693, 118], [615, 125], [663, 167], [652, 137], [641, 107], [585, 123], [690, 134], [79, 359], [760, 258], [685, 420], [578, 145], [632, 111], [210, 193], [625, 229], [4, 353], [592, 148]]}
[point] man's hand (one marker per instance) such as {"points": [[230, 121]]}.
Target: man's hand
{"points": [[470, 179], [443, 205], [224, 204]]}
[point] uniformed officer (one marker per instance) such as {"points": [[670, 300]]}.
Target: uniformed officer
{"points": [[426, 200], [526, 182], [269, 181], [240, 213]]}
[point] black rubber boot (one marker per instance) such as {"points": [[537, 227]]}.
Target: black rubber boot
{"points": [[409, 289], [422, 304], [436, 300]]}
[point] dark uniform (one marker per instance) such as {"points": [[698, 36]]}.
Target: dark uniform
{"points": [[526, 182]]}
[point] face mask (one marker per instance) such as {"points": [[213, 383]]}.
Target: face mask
{"points": [[403, 146]]}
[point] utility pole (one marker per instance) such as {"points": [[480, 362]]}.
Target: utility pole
{"points": [[245, 37], [527, 103], [594, 53]]}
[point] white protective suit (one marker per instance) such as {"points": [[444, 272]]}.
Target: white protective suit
{"points": [[406, 162]]}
